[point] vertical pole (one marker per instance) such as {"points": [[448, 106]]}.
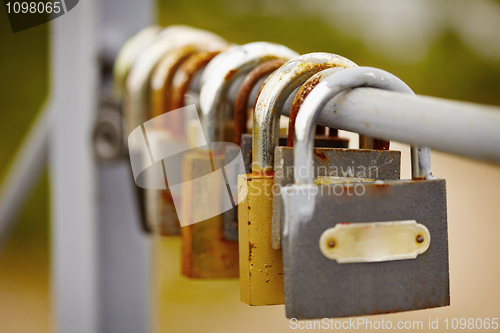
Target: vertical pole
{"points": [[74, 230], [100, 257]]}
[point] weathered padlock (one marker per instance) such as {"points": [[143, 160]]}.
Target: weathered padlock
{"points": [[173, 44], [361, 163], [261, 267], [126, 57], [163, 216], [364, 248], [198, 245], [251, 81]]}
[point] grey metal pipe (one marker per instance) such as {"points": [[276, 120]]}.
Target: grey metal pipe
{"points": [[330, 86], [455, 127]]}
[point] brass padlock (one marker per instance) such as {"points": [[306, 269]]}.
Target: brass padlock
{"points": [[354, 249], [242, 109], [261, 267]]}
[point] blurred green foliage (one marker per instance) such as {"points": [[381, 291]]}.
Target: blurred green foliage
{"points": [[450, 69], [24, 79]]}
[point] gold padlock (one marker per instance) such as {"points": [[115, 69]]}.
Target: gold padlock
{"points": [[261, 267]]}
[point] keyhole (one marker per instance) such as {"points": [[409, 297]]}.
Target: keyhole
{"points": [[420, 239]]}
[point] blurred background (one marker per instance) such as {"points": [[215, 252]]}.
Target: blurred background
{"points": [[443, 48]]}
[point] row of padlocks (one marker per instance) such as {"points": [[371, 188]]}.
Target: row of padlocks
{"points": [[326, 230]]}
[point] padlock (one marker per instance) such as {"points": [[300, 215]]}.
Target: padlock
{"points": [[173, 44], [362, 163], [205, 252], [261, 267], [162, 214], [126, 57], [365, 248], [241, 107]]}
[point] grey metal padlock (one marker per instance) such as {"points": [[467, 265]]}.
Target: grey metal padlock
{"points": [[352, 249], [379, 163]]}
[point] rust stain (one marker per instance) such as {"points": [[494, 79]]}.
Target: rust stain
{"points": [[301, 96], [251, 246], [240, 109], [185, 74], [321, 155], [231, 74]]}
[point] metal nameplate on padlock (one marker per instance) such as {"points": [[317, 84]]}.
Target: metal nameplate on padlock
{"points": [[374, 241]]}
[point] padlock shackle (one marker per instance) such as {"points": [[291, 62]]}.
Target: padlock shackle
{"points": [[136, 106], [304, 90], [181, 84], [222, 71], [162, 77], [364, 141], [127, 54], [185, 74], [241, 104], [273, 96], [313, 105]]}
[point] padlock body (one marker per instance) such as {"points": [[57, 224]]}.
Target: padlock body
{"points": [[361, 163], [161, 214], [261, 267], [205, 252], [318, 287]]}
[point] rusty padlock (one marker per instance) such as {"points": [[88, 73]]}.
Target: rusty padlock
{"points": [[173, 44], [377, 163], [366, 248], [161, 204], [261, 267], [200, 239]]}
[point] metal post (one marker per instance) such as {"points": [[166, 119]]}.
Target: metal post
{"points": [[100, 257]]}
